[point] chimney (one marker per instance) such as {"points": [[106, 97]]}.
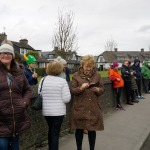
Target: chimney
{"points": [[115, 49], [24, 41], [142, 49], [3, 37]]}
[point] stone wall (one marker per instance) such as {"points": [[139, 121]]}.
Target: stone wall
{"points": [[37, 134]]}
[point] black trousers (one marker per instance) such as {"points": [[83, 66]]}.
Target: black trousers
{"points": [[146, 83], [138, 82], [128, 90], [54, 124], [79, 138], [118, 94]]}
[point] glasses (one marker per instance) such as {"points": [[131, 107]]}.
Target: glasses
{"points": [[7, 54]]}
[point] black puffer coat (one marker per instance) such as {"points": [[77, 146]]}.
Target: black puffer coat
{"points": [[13, 115]]}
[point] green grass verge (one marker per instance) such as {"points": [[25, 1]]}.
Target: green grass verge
{"points": [[102, 73]]}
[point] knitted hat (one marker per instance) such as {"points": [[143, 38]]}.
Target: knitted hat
{"points": [[61, 60], [115, 64], [29, 59], [7, 48]]}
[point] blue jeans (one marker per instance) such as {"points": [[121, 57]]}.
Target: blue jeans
{"points": [[54, 124], [9, 143]]}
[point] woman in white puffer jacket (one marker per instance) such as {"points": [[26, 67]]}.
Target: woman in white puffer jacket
{"points": [[56, 94]]}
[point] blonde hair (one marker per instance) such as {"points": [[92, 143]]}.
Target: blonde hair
{"points": [[127, 60], [54, 68], [89, 59]]}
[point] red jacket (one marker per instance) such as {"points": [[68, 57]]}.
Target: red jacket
{"points": [[113, 75]]}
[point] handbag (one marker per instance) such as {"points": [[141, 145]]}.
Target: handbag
{"points": [[37, 105]]}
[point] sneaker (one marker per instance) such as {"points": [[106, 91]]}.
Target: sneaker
{"points": [[134, 101], [138, 97], [130, 103], [142, 97], [119, 107]]}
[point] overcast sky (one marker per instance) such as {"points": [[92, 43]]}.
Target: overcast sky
{"points": [[126, 21]]}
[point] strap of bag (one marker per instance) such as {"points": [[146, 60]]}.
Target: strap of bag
{"points": [[12, 79], [42, 85]]}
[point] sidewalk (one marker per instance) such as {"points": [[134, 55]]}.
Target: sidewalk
{"points": [[124, 130]]}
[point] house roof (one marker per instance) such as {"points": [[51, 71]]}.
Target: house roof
{"points": [[69, 57], [18, 45], [22, 45], [111, 56], [46, 54], [73, 62], [42, 59]]}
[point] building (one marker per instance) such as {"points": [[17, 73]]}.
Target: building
{"points": [[73, 60], [105, 59], [23, 47]]}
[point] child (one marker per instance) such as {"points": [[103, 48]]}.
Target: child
{"points": [[29, 71], [118, 83]]}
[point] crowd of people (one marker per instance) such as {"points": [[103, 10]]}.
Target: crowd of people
{"points": [[87, 86], [131, 78]]}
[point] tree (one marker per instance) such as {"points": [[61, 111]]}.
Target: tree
{"points": [[110, 45], [34, 53], [65, 37]]}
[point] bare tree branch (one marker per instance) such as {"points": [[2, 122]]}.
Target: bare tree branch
{"points": [[65, 37], [110, 45]]}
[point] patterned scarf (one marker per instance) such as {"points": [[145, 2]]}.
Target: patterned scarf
{"points": [[83, 75]]}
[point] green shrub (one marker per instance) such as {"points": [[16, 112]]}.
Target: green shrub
{"points": [[40, 71]]}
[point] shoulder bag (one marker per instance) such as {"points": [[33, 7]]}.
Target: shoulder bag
{"points": [[37, 105]]}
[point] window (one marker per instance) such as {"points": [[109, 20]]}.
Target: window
{"points": [[120, 58], [134, 57], [50, 56], [74, 57], [101, 59], [23, 51]]}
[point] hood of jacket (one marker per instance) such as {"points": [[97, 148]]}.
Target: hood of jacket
{"points": [[145, 63], [136, 60]]}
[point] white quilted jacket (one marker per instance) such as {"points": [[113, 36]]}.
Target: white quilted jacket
{"points": [[56, 94]]}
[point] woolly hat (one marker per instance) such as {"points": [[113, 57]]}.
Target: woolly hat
{"points": [[61, 60], [29, 59], [7, 48], [115, 64]]}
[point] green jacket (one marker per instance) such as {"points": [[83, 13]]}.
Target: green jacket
{"points": [[146, 70]]}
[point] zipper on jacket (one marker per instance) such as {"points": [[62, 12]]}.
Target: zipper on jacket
{"points": [[14, 123]]}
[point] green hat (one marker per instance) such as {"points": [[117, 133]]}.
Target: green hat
{"points": [[29, 59]]}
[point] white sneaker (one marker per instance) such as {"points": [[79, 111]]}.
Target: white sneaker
{"points": [[142, 97], [138, 97]]}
